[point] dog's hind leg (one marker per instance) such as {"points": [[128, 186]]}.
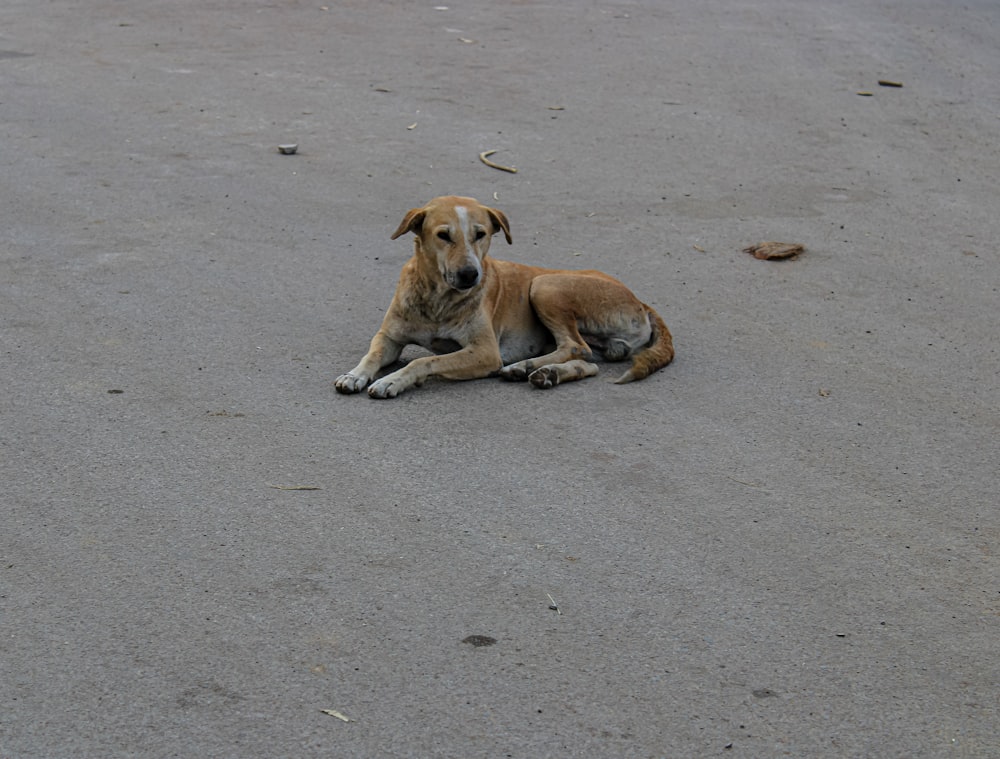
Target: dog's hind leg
{"points": [[557, 308], [524, 370], [551, 375]]}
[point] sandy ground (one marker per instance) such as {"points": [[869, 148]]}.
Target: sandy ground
{"points": [[784, 544]]}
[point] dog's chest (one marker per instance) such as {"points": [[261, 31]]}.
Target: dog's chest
{"points": [[438, 340], [440, 324], [439, 308]]}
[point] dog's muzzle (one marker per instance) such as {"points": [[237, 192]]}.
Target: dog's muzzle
{"points": [[466, 277]]}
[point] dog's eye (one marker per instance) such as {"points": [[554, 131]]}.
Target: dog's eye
{"points": [[443, 235], [480, 234]]}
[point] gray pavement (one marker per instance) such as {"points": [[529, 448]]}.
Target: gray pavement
{"points": [[784, 544]]}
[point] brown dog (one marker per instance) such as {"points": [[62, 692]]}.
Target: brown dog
{"points": [[483, 316]]}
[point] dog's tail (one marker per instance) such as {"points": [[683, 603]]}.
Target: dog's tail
{"points": [[657, 353]]}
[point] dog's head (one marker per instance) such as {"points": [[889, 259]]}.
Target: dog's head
{"points": [[455, 234]]}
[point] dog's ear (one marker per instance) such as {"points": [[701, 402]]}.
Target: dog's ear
{"points": [[412, 222], [500, 222]]}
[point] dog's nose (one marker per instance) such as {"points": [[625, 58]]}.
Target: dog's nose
{"points": [[467, 277]]}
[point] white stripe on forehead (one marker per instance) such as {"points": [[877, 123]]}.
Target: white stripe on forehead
{"points": [[463, 221]]}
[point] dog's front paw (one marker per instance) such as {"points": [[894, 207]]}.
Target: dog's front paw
{"points": [[350, 383], [387, 387]]}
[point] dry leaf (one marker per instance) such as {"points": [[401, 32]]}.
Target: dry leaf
{"points": [[479, 640], [771, 250], [339, 715]]}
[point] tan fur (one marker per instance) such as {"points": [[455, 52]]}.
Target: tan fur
{"points": [[483, 317]]}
